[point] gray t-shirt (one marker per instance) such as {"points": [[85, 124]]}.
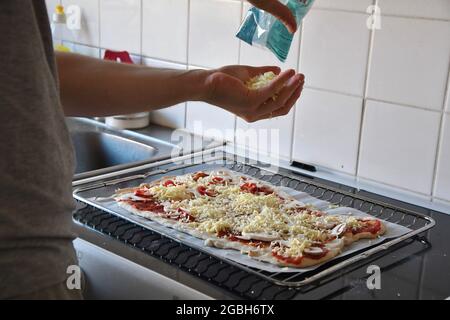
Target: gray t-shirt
{"points": [[36, 156]]}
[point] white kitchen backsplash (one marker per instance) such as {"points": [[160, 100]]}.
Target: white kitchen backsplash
{"points": [[376, 104]]}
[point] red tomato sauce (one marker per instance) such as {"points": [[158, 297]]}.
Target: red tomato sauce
{"points": [[142, 194], [147, 205], [234, 237], [290, 260], [372, 227]]}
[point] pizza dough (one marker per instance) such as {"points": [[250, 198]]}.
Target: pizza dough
{"points": [[237, 212]]}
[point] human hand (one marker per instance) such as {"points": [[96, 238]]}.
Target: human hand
{"points": [[278, 10], [226, 88]]}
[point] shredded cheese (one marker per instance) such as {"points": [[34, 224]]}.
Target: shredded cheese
{"points": [[296, 247], [228, 208], [177, 192], [260, 81]]}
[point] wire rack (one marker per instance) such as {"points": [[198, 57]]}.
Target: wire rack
{"points": [[222, 271]]}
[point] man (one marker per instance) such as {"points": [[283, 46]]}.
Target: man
{"points": [[36, 163]]}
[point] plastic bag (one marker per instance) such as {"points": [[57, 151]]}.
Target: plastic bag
{"points": [[264, 30]]}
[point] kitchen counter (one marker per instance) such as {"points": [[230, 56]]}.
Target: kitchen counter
{"points": [[418, 268]]}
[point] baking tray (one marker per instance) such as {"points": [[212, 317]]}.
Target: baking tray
{"points": [[417, 223]]}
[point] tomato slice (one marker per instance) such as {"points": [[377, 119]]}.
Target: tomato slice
{"points": [[206, 192], [199, 175], [371, 226], [142, 194], [217, 180], [265, 190], [168, 183], [253, 188], [185, 216], [249, 187]]}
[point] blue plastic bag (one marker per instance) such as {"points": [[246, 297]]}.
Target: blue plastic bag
{"points": [[264, 30]]}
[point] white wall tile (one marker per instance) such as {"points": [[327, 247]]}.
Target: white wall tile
{"points": [[327, 127], [165, 29], [90, 29], [120, 25], [409, 66], [438, 9], [213, 25], [398, 146], [334, 51], [410, 62], [255, 56], [443, 170], [274, 136], [210, 121], [353, 5], [173, 117]]}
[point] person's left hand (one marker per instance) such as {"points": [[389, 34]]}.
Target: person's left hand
{"points": [[226, 88]]}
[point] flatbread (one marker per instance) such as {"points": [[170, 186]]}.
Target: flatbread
{"points": [[231, 211]]}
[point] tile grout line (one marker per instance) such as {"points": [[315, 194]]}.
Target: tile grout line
{"points": [[335, 92], [188, 35], [397, 188], [401, 104], [385, 15], [294, 115], [365, 96], [440, 140]]}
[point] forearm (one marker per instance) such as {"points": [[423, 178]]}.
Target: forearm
{"points": [[93, 87]]}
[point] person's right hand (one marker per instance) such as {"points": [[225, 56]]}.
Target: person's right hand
{"points": [[278, 10], [225, 88]]}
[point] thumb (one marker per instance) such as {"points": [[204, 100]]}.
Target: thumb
{"points": [[281, 12]]}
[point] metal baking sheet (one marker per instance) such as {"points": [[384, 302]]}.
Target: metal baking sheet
{"points": [[392, 231]]}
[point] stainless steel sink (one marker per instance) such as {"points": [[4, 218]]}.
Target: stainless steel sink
{"points": [[100, 149]]}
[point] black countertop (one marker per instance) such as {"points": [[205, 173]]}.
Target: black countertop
{"points": [[418, 268]]}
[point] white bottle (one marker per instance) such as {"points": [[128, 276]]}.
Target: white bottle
{"points": [[58, 23]]}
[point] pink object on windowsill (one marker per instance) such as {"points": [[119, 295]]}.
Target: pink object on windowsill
{"points": [[118, 56]]}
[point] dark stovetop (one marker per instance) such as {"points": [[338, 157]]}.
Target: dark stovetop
{"points": [[418, 268]]}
